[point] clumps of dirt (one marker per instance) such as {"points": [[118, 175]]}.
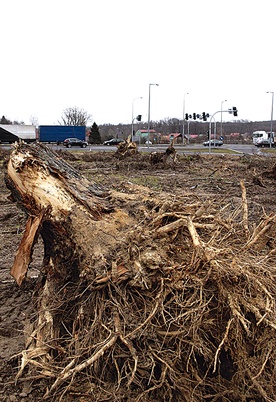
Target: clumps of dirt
{"points": [[68, 156], [4, 154], [270, 174], [16, 311], [107, 157]]}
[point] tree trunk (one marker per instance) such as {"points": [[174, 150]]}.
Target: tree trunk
{"points": [[78, 226]]}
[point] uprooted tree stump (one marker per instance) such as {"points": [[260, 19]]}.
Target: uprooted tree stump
{"points": [[163, 157], [126, 148], [142, 297]]}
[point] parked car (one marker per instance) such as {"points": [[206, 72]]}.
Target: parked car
{"points": [[213, 143], [74, 142], [113, 141], [148, 143]]}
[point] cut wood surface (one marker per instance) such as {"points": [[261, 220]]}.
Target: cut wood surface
{"points": [[144, 295]]}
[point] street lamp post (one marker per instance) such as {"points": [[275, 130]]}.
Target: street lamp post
{"points": [[132, 118], [210, 125], [233, 110], [149, 111], [221, 115], [210, 131], [183, 128], [188, 132], [271, 119]]}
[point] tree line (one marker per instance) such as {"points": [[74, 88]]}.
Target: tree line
{"points": [[174, 125]]}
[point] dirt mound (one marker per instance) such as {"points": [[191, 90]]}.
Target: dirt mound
{"points": [[184, 306]]}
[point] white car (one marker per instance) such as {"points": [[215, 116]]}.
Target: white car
{"points": [[213, 143]]}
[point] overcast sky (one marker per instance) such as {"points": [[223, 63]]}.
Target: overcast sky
{"points": [[101, 55]]}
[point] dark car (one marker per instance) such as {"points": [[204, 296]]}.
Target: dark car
{"points": [[114, 141], [74, 142], [213, 143]]}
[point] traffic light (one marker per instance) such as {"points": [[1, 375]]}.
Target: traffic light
{"points": [[235, 112], [139, 117], [204, 116], [186, 116], [194, 116]]}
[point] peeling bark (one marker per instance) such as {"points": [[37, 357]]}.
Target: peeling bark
{"points": [[24, 254], [76, 210]]}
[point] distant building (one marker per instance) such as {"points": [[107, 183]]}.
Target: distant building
{"points": [[171, 137], [141, 136], [15, 132]]}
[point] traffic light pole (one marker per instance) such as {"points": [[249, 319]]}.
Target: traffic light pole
{"points": [[204, 116], [133, 118], [132, 130], [183, 127]]}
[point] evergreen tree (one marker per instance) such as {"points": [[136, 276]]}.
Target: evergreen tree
{"points": [[94, 136], [3, 120]]}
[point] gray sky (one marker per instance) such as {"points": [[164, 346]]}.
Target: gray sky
{"points": [[100, 55]]}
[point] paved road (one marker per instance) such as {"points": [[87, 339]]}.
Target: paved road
{"points": [[239, 148], [242, 148]]}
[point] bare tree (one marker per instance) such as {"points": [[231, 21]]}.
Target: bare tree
{"points": [[73, 116], [34, 120]]}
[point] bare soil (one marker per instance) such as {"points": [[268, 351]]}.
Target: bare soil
{"points": [[204, 179]]}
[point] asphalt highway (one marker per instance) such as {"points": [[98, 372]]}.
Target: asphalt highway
{"points": [[192, 148]]}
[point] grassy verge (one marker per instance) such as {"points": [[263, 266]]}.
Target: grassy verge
{"points": [[213, 150]]}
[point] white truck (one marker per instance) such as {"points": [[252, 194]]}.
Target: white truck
{"points": [[264, 139], [14, 132]]}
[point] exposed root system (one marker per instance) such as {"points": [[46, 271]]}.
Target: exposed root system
{"points": [[182, 310]]}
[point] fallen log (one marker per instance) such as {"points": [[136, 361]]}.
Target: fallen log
{"points": [[140, 297]]}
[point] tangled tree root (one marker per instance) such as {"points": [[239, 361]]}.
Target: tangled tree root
{"points": [[184, 310], [163, 157], [126, 148]]}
